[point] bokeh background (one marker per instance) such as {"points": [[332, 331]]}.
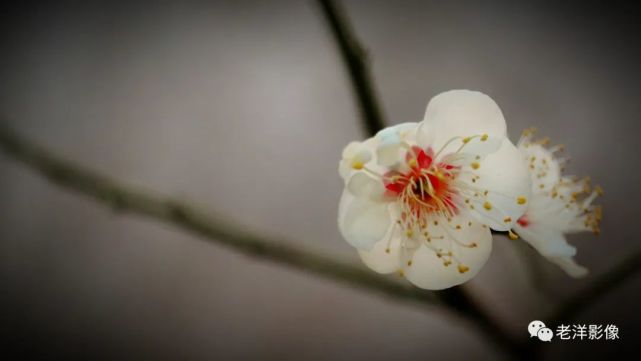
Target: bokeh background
{"points": [[243, 108]]}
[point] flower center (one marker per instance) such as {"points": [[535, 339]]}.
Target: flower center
{"points": [[423, 192], [425, 188]]}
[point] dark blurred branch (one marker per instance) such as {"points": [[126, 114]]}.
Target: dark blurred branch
{"points": [[123, 198], [356, 61], [607, 281], [355, 58]]}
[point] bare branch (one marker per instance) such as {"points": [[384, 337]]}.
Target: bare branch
{"points": [[215, 230], [355, 59], [124, 198], [608, 281]]}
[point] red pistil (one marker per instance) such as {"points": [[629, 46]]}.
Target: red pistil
{"points": [[418, 162], [523, 221]]}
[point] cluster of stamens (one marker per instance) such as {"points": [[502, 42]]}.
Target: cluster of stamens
{"points": [[575, 194], [429, 193]]}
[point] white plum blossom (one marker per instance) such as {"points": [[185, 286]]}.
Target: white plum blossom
{"points": [[559, 205], [420, 198]]}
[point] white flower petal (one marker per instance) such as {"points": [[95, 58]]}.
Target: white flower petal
{"points": [[570, 266], [504, 176], [544, 167], [385, 256], [559, 205], [390, 148], [426, 270], [351, 149], [460, 113], [548, 241], [344, 169], [362, 185], [356, 155], [472, 151], [551, 244], [362, 222]]}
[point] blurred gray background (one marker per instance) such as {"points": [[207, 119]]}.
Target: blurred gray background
{"points": [[243, 108]]}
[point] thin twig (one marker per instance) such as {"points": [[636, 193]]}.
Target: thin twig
{"points": [[607, 281], [123, 198], [355, 59]]}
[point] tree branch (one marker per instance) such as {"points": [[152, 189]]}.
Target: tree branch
{"points": [[355, 59], [609, 280], [127, 199], [123, 198]]}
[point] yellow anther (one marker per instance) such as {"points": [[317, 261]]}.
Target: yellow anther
{"points": [[458, 226], [466, 140], [598, 190], [541, 186], [436, 223], [507, 219], [487, 205], [412, 163], [529, 131], [409, 233], [469, 224], [513, 236], [521, 200], [474, 245], [463, 269], [409, 263], [554, 194], [401, 273], [483, 137], [475, 165], [386, 250], [358, 165]]}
